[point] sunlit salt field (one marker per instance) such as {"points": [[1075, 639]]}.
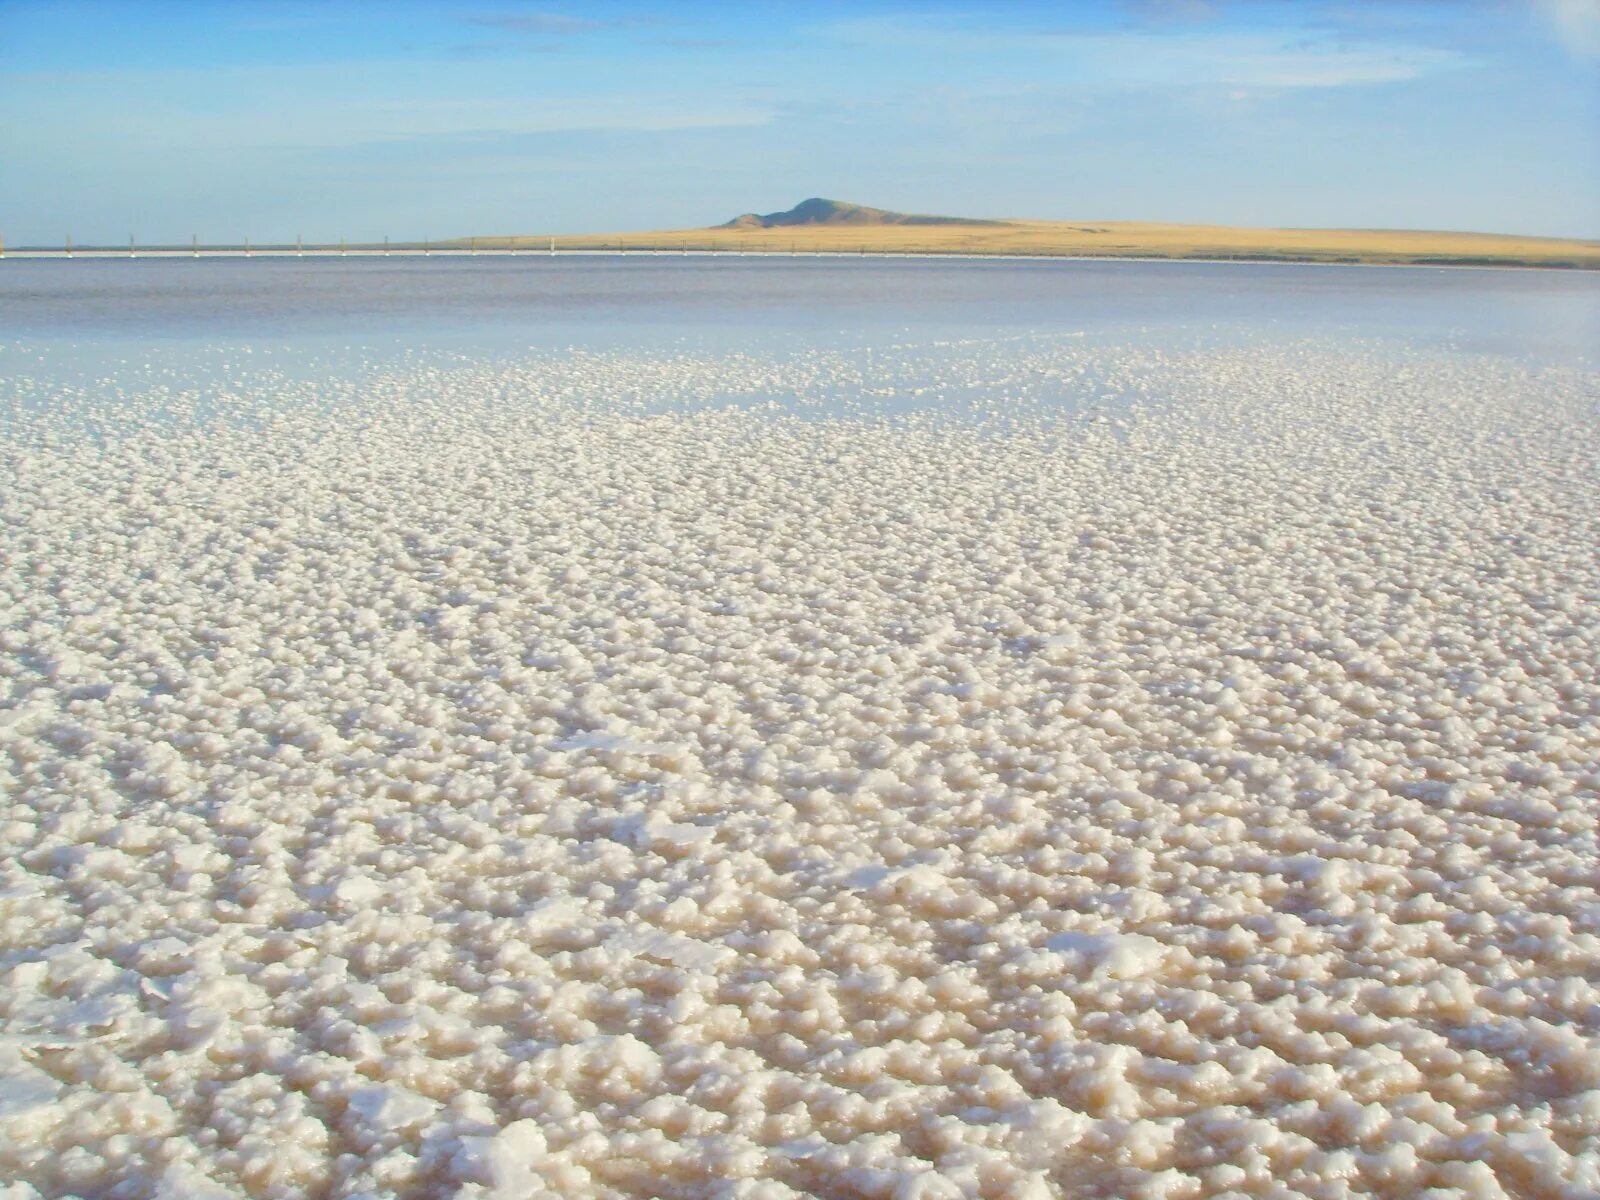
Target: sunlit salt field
{"points": [[762, 729]]}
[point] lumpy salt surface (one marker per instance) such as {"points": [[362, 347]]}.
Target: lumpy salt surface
{"points": [[1154, 774]]}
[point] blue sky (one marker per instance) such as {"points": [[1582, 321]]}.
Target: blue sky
{"points": [[408, 119]]}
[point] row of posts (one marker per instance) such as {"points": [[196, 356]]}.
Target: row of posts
{"points": [[299, 246], [194, 246]]}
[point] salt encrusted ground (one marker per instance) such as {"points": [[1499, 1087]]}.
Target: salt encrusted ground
{"points": [[468, 789]]}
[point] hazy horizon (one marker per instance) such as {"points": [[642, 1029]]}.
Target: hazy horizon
{"points": [[422, 120]]}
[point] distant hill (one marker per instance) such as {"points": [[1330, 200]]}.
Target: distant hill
{"points": [[818, 211]]}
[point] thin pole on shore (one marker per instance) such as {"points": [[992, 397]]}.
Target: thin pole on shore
{"points": [[247, 245], [427, 247], [552, 245], [130, 246], [299, 246], [69, 245], [194, 244], [342, 248], [2, 245], [386, 244]]}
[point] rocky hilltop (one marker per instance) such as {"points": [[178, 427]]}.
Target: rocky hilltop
{"points": [[818, 211]]}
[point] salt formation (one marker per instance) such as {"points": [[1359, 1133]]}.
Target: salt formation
{"points": [[1117, 774]]}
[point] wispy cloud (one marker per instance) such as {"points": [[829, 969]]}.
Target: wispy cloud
{"points": [[1576, 24], [693, 43], [1170, 56], [1173, 10], [553, 24], [329, 106]]}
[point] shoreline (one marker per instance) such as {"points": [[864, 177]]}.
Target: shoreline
{"points": [[40, 255]]}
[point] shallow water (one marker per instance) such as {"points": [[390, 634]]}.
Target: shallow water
{"points": [[128, 322]]}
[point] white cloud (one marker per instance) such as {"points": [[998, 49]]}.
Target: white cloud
{"points": [[1186, 56], [554, 24], [1173, 10], [1576, 24], [324, 106]]}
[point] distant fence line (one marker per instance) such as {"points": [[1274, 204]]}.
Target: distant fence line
{"points": [[500, 247], [513, 245], [534, 247], [466, 246]]}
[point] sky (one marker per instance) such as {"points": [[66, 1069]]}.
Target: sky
{"points": [[410, 119]]}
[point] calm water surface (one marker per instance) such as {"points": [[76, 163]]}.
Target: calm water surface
{"points": [[119, 323]]}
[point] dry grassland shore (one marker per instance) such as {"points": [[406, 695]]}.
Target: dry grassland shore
{"points": [[1108, 239]]}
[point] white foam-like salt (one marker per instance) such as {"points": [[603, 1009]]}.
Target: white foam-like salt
{"points": [[686, 952], [533, 779], [385, 1109], [1114, 956], [24, 1088]]}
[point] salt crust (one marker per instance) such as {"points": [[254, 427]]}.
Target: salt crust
{"points": [[459, 786]]}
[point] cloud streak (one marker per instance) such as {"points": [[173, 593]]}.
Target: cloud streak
{"points": [[554, 24], [1576, 24], [1171, 56], [306, 114]]}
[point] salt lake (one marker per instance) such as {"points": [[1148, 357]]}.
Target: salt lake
{"points": [[662, 726]]}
